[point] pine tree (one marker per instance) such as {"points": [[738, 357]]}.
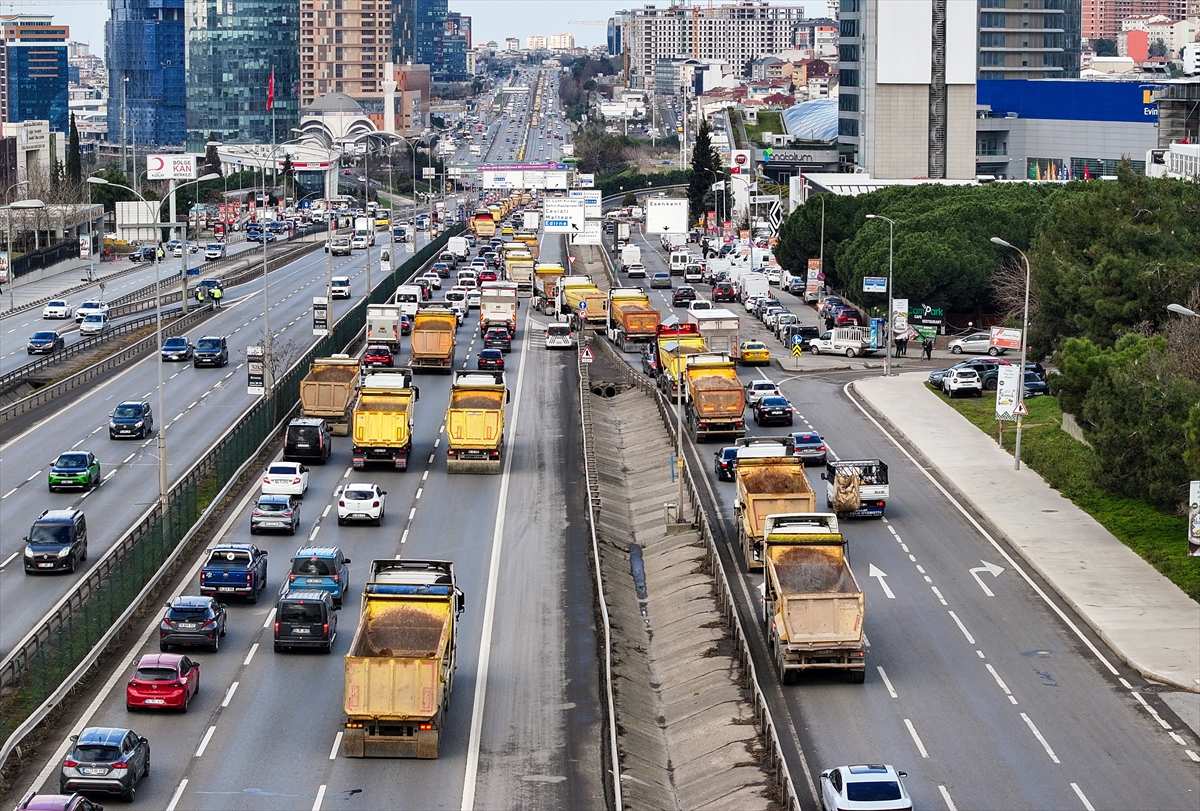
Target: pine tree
{"points": [[706, 170], [74, 161]]}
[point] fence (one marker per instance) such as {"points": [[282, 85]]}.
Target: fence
{"points": [[43, 668]]}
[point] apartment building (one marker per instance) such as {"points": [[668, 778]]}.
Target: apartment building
{"points": [[1101, 19], [343, 49], [33, 70], [1029, 39], [734, 33], [561, 42], [536, 42]]}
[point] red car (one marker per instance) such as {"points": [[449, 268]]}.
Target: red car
{"points": [[487, 276], [377, 355], [848, 318], [162, 681]]}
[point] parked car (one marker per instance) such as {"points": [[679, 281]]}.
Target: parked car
{"points": [[75, 469], [809, 446], [782, 321], [877, 787], [361, 502], [275, 512], [107, 760], [758, 389], [806, 332], [57, 309], [490, 359], [725, 463], [977, 343], [145, 254], [773, 409], [162, 681], [321, 568], [176, 348], [988, 368], [961, 382], [45, 342], [1035, 385], [192, 621], [132, 418]]}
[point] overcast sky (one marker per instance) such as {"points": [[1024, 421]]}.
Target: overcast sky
{"points": [[490, 19]]}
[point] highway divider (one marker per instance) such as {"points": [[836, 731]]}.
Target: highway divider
{"points": [[45, 666]]}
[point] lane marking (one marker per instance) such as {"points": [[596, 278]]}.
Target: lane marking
{"points": [[916, 738], [946, 799], [962, 627], [270, 619], [938, 594], [1045, 744], [204, 743], [337, 744], [325, 512], [887, 682], [229, 693], [419, 491], [178, 793], [1000, 682], [404, 537], [316, 806], [1152, 711], [250, 654], [1083, 799], [9, 493], [8, 559]]}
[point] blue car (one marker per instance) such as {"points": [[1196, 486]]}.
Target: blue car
{"points": [[320, 568], [1035, 385]]}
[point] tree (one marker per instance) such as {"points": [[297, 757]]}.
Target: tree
{"points": [[706, 170], [1105, 47], [630, 199], [74, 161], [212, 160], [600, 152], [1158, 48]]}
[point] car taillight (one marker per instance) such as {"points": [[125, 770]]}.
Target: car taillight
{"points": [[287, 512], [70, 764], [276, 628], [120, 764], [296, 480], [164, 626], [266, 479], [249, 576], [292, 577], [337, 578], [341, 502], [374, 503], [325, 629], [209, 622]]}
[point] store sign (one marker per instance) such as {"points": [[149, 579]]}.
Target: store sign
{"points": [[256, 371], [1005, 338], [1007, 395], [926, 315]]}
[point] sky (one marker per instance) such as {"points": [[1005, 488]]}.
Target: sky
{"points": [[490, 19]]}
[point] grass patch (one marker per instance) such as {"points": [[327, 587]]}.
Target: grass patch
{"points": [[767, 122], [1069, 467]]}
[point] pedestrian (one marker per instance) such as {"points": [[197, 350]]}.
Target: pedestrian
{"points": [[904, 345], [896, 347], [829, 322], [216, 294], [200, 294], [927, 346]]}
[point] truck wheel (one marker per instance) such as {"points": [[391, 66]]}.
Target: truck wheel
{"points": [[252, 597], [857, 676]]}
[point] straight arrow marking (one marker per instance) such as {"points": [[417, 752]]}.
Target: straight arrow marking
{"points": [[880, 574]]}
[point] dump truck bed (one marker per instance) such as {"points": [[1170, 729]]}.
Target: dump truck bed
{"points": [[393, 669], [820, 602]]}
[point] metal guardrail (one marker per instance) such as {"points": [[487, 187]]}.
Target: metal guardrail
{"points": [[79, 288], [43, 669]]}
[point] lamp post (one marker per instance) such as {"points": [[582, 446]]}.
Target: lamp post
{"points": [[1024, 346], [19, 205], [161, 434], [887, 366], [1179, 309]]}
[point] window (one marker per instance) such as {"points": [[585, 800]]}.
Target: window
{"points": [[991, 40], [848, 102], [848, 78], [991, 20], [848, 126], [848, 53], [849, 28], [991, 3], [991, 58]]}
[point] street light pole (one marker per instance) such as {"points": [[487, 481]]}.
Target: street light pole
{"points": [[887, 366], [1024, 346]]}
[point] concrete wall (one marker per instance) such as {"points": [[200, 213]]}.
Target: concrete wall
{"points": [[899, 139], [960, 131]]}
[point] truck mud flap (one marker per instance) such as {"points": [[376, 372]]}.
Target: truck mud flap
{"points": [[487, 466], [401, 461]]}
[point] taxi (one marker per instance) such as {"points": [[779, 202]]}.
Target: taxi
{"points": [[754, 353]]}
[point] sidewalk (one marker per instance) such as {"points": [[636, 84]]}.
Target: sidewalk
{"points": [[54, 281], [1147, 620]]}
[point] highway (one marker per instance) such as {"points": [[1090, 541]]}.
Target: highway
{"points": [[982, 687], [527, 734], [201, 404]]}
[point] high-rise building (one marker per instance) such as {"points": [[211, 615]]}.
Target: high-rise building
{"points": [[560, 42], [428, 33], [618, 24], [233, 51], [735, 33], [1101, 19], [536, 42], [145, 49], [906, 95], [33, 70], [1029, 39], [343, 49]]}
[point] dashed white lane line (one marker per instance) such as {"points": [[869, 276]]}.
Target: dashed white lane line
{"points": [[34, 476], [426, 474], [8, 559], [916, 738], [1045, 744], [250, 654], [125, 461], [412, 513], [403, 537], [887, 682], [419, 491], [270, 619], [1082, 798], [938, 594], [325, 512], [10, 492], [337, 744], [346, 475], [320, 796], [1000, 682], [178, 793], [946, 799], [962, 627], [229, 693], [109, 475], [204, 743]]}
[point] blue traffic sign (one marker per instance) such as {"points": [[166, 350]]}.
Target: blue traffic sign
{"points": [[558, 223], [583, 305], [193, 271], [797, 340]]}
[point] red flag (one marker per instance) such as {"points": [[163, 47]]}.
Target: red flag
{"points": [[271, 91], [1086, 174]]}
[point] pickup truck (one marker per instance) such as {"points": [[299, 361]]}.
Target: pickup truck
{"points": [[856, 488], [238, 569]]}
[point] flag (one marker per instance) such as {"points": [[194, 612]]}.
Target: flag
{"points": [[719, 186], [271, 91], [753, 186], [1086, 174]]}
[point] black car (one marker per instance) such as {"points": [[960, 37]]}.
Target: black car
{"points": [[131, 418], [771, 410], [105, 759], [45, 342], [650, 361], [806, 332], [490, 359], [176, 349], [725, 463], [57, 541], [145, 254], [683, 296], [497, 338], [192, 621], [211, 350]]}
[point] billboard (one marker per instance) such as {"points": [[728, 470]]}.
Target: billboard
{"points": [[739, 162], [1005, 338], [591, 201], [666, 215], [561, 215], [170, 167], [493, 179]]}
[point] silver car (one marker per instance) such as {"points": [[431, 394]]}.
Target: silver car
{"points": [[278, 512], [979, 343], [105, 759]]}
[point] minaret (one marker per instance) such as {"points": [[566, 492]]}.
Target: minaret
{"points": [[389, 98]]}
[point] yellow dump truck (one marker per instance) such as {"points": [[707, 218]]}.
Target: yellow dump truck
{"points": [[328, 390], [546, 278], [433, 338], [675, 344], [632, 320], [519, 267], [383, 419], [581, 302], [400, 668], [770, 479], [475, 422], [812, 605], [716, 401]]}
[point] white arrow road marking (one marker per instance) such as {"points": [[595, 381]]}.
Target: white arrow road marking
{"points": [[879, 573], [986, 567]]}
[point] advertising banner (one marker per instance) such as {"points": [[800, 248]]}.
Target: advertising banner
{"points": [[1007, 394], [170, 167], [1194, 521], [320, 316], [900, 316], [256, 371], [85, 247], [1006, 338]]}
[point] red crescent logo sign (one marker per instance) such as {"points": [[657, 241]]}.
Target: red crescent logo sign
{"points": [[158, 164]]}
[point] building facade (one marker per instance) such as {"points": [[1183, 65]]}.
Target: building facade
{"points": [[906, 88], [145, 50], [1101, 19], [233, 50], [617, 26], [34, 70], [560, 42], [1029, 39], [343, 49], [733, 33]]}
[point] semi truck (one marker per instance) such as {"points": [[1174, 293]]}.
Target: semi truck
{"points": [[674, 344], [475, 422], [498, 306], [328, 390], [716, 401], [813, 607], [856, 488], [433, 338], [574, 291], [632, 319], [718, 327], [383, 325], [383, 419], [399, 672], [546, 278], [769, 479], [532, 221]]}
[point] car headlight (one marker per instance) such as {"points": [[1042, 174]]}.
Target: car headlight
{"points": [[62, 553], [28, 551], [112, 423], [138, 424]]}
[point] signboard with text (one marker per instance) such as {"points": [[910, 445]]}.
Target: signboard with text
{"points": [[590, 235], [666, 215], [562, 215], [591, 201], [320, 315], [170, 167], [1005, 338], [1007, 395], [256, 371], [1194, 520]]}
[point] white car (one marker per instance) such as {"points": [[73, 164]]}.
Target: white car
{"points": [[962, 382], [636, 270], [95, 323], [358, 243], [558, 336], [285, 479], [758, 389], [752, 301], [57, 309], [474, 297], [698, 305], [361, 502], [88, 307], [435, 281], [877, 787], [340, 287]]}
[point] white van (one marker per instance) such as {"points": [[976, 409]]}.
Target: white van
{"points": [[693, 271], [559, 336], [468, 278], [679, 262], [848, 341], [408, 296]]}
